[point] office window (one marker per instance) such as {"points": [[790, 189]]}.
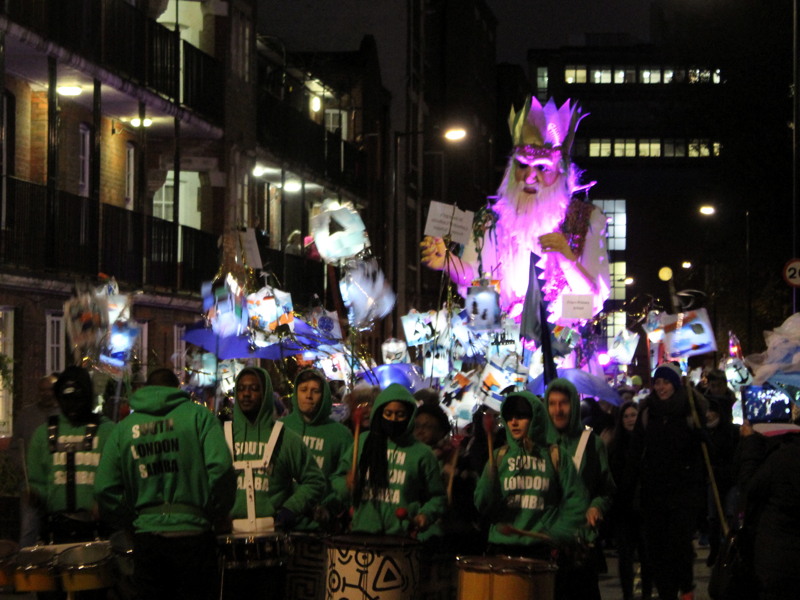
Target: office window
{"points": [[84, 159], [650, 75], [600, 147], [542, 83], [716, 148], [601, 75], [579, 148], [625, 147], [650, 147], [616, 322], [6, 390], [575, 74], [241, 34], [625, 75], [674, 148], [618, 274], [668, 75], [617, 220], [55, 343], [699, 148], [716, 76]]}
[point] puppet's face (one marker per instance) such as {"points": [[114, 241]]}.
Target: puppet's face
{"points": [[536, 168]]}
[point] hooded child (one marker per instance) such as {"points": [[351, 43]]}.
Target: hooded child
{"points": [[531, 491], [326, 440], [393, 471]]}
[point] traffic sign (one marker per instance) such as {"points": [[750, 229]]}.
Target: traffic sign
{"points": [[791, 272]]}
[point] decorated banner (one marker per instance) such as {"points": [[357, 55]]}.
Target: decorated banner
{"points": [[395, 351], [418, 327], [623, 347], [497, 377], [483, 307], [687, 334], [339, 232]]}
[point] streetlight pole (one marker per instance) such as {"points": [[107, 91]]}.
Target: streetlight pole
{"points": [[795, 115]]}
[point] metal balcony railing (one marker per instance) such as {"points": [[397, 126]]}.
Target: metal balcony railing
{"points": [[79, 237], [122, 39]]}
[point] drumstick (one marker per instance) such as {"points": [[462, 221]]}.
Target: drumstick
{"points": [[351, 476], [452, 463], [402, 514], [488, 420], [507, 529]]}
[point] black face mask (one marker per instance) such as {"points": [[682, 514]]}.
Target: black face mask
{"points": [[393, 429]]}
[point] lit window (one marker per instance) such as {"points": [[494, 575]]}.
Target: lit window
{"points": [[716, 148], [130, 174], [542, 79], [600, 147], [651, 147], [601, 75], [6, 390], [84, 159], [716, 77], [625, 147], [163, 201], [669, 74], [699, 148], [625, 75], [55, 343], [650, 75], [575, 74]]}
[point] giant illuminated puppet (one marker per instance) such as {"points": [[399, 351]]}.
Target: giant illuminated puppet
{"points": [[538, 223]]}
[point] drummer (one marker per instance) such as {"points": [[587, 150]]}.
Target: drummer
{"points": [[396, 487], [326, 440], [530, 490], [63, 455], [167, 473], [278, 480]]}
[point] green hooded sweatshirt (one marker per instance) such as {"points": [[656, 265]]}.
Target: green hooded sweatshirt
{"points": [[293, 480], [327, 441], [165, 466], [47, 472], [528, 492], [594, 470], [415, 481]]}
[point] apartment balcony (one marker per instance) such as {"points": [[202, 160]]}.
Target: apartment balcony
{"points": [[307, 145], [116, 38], [72, 236]]}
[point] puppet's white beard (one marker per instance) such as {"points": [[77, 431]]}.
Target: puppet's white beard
{"points": [[532, 215]]}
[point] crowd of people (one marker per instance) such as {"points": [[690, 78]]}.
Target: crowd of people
{"points": [[545, 479]]}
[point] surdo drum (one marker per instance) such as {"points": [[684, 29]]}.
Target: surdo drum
{"points": [[305, 568], [36, 569], [502, 577], [363, 566], [253, 550], [86, 567]]}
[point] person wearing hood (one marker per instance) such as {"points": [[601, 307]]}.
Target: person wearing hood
{"points": [[291, 483], [166, 473], [327, 440], [396, 487], [530, 489], [666, 462], [62, 460], [579, 579]]}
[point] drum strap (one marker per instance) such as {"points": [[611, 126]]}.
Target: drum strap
{"points": [[585, 434], [248, 465]]}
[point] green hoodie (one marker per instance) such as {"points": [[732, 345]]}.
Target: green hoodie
{"points": [[528, 493], [47, 471], [326, 440], [293, 481], [415, 481], [165, 466], [594, 470]]}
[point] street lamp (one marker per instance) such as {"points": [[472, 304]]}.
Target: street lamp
{"points": [[397, 222]]}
